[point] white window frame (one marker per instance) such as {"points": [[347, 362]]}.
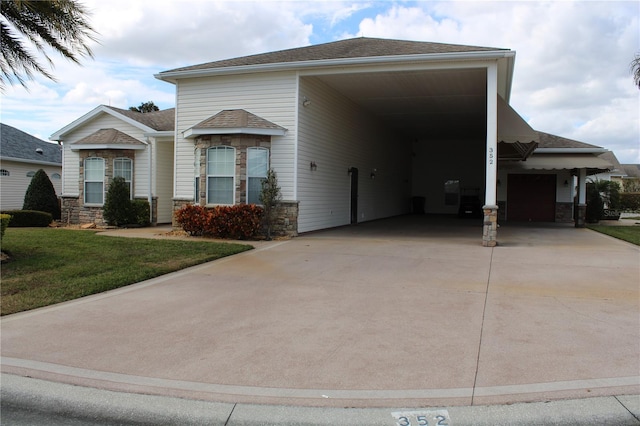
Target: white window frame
{"points": [[256, 171], [117, 172], [94, 179], [214, 173]]}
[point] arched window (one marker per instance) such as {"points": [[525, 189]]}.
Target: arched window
{"points": [[55, 176], [221, 170], [123, 167], [31, 173], [94, 180], [4, 172], [257, 166]]}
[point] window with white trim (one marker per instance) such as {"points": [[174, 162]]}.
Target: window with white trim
{"points": [[4, 172], [257, 166], [31, 173], [221, 169], [94, 180], [55, 176], [123, 167]]}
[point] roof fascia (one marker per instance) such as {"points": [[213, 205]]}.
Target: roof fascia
{"points": [[159, 134], [191, 133], [58, 136], [570, 151], [25, 160], [76, 147], [341, 62]]}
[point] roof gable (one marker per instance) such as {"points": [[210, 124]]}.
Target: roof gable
{"points": [[149, 122], [362, 47], [107, 139], [16, 144], [235, 121]]}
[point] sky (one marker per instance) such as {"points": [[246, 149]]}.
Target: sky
{"points": [[572, 73]]}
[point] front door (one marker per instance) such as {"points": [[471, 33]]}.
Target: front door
{"points": [[353, 172]]}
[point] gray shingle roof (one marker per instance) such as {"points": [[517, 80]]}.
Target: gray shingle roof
{"points": [[552, 141], [108, 136], [158, 120], [362, 47], [17, 144], [236, 118], [632, 170]]}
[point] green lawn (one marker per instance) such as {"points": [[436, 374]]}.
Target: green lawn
{"points": [[50, 265], [626, 233]]}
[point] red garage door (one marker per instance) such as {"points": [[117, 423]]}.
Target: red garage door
{"points": [[531, 198]]}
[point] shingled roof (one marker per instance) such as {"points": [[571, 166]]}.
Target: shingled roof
{"points": [[548, 140], [108, 137], [632, 170], [362, 47], [158, 120], [16, 144]]}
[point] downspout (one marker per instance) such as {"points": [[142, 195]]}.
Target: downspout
{"points": [[150, 196]]}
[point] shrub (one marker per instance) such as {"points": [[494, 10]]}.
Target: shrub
{"points": [[595, 205], [630, 201], [28, 218], [141, 211], [238, 222], [41, 195], [4, 223], [117, 205], [270, 196], [193, 219]]}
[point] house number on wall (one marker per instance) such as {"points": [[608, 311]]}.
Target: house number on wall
{"points": [[422, 418], [491, 156]]}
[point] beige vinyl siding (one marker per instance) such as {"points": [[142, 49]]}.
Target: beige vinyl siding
{"points": [[337, 134], [271, 96], [14, 186], [163, 179], [72, 159]]}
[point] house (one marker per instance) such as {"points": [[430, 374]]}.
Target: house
{"points": [[357, 130], [108, 142], [21, 156]]}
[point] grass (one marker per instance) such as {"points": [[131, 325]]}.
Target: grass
{"points": [[630, 234], [50, 266]]}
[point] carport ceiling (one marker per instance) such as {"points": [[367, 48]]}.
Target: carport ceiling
{"points": [[421, 104]]}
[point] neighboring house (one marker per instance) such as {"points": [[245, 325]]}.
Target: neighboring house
{"points": [[356, 130], [109, 142], [615, 174], [21, 156], [631, 180]]}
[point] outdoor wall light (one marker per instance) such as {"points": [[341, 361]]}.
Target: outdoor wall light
{"points": [[313, 166], [498, 182], [373, 173], [566, 183], [305, 102]]}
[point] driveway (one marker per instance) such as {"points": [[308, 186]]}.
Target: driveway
{"points": [[401, 312]]}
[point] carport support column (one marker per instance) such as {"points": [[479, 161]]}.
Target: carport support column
{"points": [[490, 208], [581, 214]]}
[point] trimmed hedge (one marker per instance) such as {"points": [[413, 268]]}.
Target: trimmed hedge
{"points": [[238, 222], [41, 196], [141, 212], [28, 218], [4, 223], [630, 201]]}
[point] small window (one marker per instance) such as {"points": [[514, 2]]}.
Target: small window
{"points": [[55, 176], [94, 181], [4, 172], [221, 169], [123, 167], [257, 166], [31, 174]]}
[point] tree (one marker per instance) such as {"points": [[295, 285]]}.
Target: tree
{"points": [[118, 210], [269, 197], [58, 24], [145, 107], [635, 69], [41, 195]]}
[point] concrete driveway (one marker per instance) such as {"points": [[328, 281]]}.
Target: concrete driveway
{"points": [[401, 312]]}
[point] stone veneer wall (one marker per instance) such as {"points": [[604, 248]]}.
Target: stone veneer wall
{"points": [[564, 212]]}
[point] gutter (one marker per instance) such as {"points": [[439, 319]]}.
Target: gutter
{"points": [[172, 76], [23, 160]]}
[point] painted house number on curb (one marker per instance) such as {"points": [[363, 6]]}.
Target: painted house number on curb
{"points": [[422, 418]]}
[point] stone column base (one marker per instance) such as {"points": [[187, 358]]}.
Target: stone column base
{"points": [[581, 215], [490, 226]]}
